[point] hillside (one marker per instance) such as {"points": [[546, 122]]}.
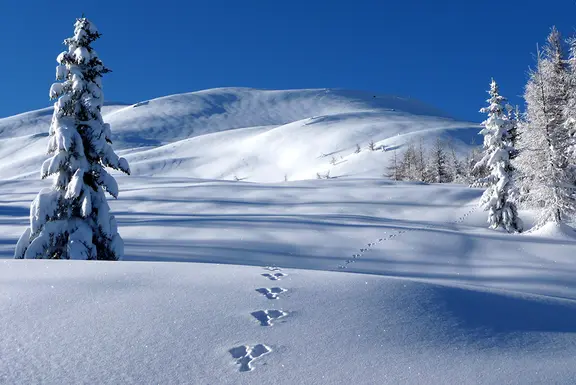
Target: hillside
{"points": [[254, 135], [355, 279]]}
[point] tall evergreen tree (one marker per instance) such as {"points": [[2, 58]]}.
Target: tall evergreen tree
{"points": [[72, 220], [544, 140], [499, 198]]}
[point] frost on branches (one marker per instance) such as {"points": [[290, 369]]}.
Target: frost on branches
{"points": [[499, 197], [72, 220], [544, 161]]}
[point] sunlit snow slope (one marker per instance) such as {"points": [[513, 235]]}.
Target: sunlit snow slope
{"points": [[351, 280], [248, 134]]}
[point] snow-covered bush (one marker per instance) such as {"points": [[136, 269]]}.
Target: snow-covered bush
{"points": [[72, 220]]}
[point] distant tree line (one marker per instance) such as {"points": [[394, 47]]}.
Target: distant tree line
{"points": [[438, 164]]}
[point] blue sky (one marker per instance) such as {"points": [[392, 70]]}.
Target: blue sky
{"points": [[441, 52]]}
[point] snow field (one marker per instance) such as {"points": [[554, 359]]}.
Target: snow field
{"points": [[354, 279]]}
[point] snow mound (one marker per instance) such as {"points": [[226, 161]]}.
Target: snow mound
{"points": [[555, 230]]}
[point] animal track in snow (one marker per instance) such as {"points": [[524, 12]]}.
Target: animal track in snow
{"points": [[272, 268], [265, 317], [245, 354], [271, 293], [398, 233], [275, 276]]}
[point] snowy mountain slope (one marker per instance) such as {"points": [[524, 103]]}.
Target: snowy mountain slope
{"points": [[37, 122], [261, 136], [301, 149], [378, 282], [182, 116]]}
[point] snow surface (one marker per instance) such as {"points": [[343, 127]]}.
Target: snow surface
{"points": [[150, 323], [253, 135], [555, 230], [353, 280]]}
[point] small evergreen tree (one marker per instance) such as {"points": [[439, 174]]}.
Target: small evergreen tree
{"points": [[476, 172], [499, 198], [72, 220], [393, 171], [421, 163], [438, 168], [456, 169], [409, 164]]}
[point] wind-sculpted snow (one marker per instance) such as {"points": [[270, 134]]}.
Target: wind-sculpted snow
{"points": [[248, 134], [432, 231], [173, 323], [300, 150]]}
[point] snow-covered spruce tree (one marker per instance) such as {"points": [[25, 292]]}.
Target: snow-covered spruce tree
{"points": [[499, 198], [72, 220], [544, 141]]}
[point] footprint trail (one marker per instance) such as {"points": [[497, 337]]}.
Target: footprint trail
{"points": [[397, 233]]}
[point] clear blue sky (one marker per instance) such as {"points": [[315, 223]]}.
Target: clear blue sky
{"points": [[441, 52]]}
